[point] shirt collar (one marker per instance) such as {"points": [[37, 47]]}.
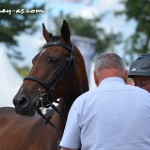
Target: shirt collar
{"points": [[111, 80]]}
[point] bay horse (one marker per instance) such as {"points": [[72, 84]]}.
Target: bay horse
{"points": [[58, 75]]}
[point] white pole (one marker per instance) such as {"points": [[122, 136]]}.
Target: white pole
{"points": [[47, 14]]}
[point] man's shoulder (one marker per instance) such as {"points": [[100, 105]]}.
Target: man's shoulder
{"points": [[138, 90], [82, 98]]}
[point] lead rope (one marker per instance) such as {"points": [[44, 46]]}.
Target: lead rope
{"points": [[48, 118], [48, 121]]}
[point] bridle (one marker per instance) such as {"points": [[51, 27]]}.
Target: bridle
{"points": [[44, 99], [50, 85]]}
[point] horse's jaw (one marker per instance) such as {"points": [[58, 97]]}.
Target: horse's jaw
{"points": [[25, 113]]}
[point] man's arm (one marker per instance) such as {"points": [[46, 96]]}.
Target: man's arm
{"points": [[63, 148]]}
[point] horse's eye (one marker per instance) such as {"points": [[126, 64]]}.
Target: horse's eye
{"points": [[54, 60]]}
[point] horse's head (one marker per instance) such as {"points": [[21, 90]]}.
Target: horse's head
{"points": [[58, 70]]}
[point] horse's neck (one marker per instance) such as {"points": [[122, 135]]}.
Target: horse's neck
{"points": [[58, 115], [64, 107]]}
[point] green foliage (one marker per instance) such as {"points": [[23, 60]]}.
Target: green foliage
{"points": [[88, 28], [138, 10], [24, 71], [18, 20]]}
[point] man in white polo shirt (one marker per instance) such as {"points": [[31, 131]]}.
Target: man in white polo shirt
{"points": [[114, 116]]}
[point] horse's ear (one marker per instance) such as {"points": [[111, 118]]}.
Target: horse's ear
{"points": [[48, 36], [65, 31]]}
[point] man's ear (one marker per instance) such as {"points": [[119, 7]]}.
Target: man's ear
{"points": [[126, 76], [95, 78]]}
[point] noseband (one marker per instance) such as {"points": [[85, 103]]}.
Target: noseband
{"points": [[50, 85]]}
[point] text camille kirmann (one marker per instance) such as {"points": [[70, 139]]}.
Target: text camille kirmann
{"points": [[21, 11]]}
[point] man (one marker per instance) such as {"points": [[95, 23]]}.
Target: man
{"points": [[139, 71], [114, 116]]}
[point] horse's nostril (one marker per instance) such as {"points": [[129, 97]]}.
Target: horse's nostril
{"points": [[23, 101]]}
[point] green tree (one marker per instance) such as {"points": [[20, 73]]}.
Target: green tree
{"points": [[88, 28], [17, 17], [139, 11]]}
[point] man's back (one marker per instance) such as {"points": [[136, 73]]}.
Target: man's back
{"points": [[115, 116]]}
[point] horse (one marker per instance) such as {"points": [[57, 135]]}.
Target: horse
{"points": [[24, 133], [58, 75]]}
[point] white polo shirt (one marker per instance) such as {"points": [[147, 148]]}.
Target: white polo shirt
{"points": [[114, 116]]}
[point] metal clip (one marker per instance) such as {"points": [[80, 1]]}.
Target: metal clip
{"points": [[41, 99]]}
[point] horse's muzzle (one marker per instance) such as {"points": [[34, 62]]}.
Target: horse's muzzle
{"points": [[23, 106]]}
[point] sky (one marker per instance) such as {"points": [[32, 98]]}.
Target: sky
{"points": [[29, 44]]}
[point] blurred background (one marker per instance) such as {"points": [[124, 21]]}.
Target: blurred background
{"points": [[97, 26]]}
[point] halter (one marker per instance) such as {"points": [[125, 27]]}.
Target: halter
{"points": [[50, 85]]}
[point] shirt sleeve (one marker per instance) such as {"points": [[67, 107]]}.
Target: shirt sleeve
{"points": [[71, 136]]}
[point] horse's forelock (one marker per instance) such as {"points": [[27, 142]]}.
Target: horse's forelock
{"points": [[56, 38]]}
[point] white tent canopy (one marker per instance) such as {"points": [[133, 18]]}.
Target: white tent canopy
{"points": [[10, 80]]}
